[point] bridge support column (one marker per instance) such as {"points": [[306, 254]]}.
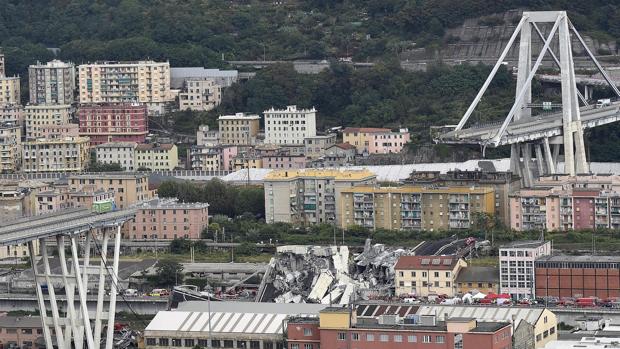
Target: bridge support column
{"points": [[47, 335]]}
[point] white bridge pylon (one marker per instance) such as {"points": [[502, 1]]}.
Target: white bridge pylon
{"points": [[545, 150], [75, 327]]}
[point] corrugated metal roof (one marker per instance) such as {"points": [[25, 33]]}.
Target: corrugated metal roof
{"points": [[484, 313]]}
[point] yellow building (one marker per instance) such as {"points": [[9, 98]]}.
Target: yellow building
{"points": [[238, 129], [9, 90], [308, 196], [145, 82], [242, 163], [413, 207], [157, 157], [10, 146], [38, 116], [336, 318], [69, 154], [129, 188], [482, 279], [427, 275]]}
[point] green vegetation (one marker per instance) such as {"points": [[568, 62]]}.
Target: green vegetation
{"points": [[96, 166], [222, 198], [168, 274]]}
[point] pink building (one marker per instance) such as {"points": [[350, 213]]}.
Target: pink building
{"points": [[61, 198], [228, 154], [113, 122], [20, 331], [376, 140], [284, 161], [167, 219], [52, 200], [55, 131]]}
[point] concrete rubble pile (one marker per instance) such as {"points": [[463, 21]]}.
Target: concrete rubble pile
{"points": [[327, 274]]}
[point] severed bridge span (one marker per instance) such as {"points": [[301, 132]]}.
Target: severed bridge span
{"points": [[536, 141], [73, 228]]}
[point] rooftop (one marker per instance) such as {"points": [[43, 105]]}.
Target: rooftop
{"points": [[118, 145], [344, 146], [418, 189], [238, 116], [110, 175], [580, 259], [153, 146], [320, 173], [366, 130], [160, 203], [524, 244], [58, 140], [426, 262], [20, 321], [290, 108], [485, 314], [378, 309], [478, 274]]}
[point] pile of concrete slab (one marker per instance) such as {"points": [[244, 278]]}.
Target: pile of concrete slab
{"points": [[328, 275]]}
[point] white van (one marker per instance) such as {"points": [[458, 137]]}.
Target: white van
{"points": [[130, 292]]}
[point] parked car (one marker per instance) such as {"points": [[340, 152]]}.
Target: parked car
{"points": [[159, 292]]}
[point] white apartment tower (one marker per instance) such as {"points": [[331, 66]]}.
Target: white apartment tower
{"points": [[52, 83], [517, 274], [290, 125], [145, 82]]}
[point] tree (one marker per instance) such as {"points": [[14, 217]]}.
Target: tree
{"points": [[97, 166], [168, 273]]}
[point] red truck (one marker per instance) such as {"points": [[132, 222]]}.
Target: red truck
{"points": [[586, 302]]}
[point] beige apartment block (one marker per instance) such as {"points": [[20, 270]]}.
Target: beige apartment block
{"points": [[51, 83], [12, 112], [290, 125], [145, 82], [129, 188], [42, 115], [427, 275], [9, 90], [200, 95], [122, 153], [239, 129], [308, 196], [10, 146], [156, 157], [69, 154]]}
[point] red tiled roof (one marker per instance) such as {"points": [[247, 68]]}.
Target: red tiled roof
{"points": [[426, 262], [365, 129]]}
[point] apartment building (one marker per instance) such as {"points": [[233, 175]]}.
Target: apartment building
{"points": [[156, 157], [290, 125], [167, 219], [516, 260], [239, 129], [69, 154], [52, 200], [578, 276], [128, 188], [309, 196], [145, 82], [215, 158], [502, 183], [10, 146], [20, 331], [119, 122], [284, 161], [179, 75], [43, 115], [2, 71], [55, 131], [200, 95], [368, 140], [12, 112], [9, 90], [244, 161], [14, 201], [476, 278], [314, 147], [207, 137], [413, 207], [339, 328], [427, 275], [122, 153], [52, 82], [341, 154]]}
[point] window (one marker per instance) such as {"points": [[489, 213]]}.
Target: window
{"points": [[342, 336], [307, 332], [151, 341], [552, 330], [436, 274], [176, 342], [398, 338], [203, 342], [307, 346], [163, 342], [27, 331], [440, 339], [538, 337], [546, 334], [426, 339], [370, 337], [294, 346], [412, 339], [413, 274], [355, 336], [384, 338], [189, 343]]}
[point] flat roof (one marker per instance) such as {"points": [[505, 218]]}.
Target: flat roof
{"points": [[524, 244], [486, 313], [320, 173], [579, 259]]}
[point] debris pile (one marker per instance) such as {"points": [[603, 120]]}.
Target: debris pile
{"points": [[327, 274]]}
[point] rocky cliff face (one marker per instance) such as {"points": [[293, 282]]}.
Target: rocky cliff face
{"points": [[483, 39]]}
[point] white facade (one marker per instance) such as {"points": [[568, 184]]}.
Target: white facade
{"points": [[52, 83], [517, 273], [207, 137], [290, 125], [145, 82], [122, 153]]}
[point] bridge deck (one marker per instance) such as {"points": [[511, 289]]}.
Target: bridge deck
{"points": [[63, 222], [531, 128]]}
